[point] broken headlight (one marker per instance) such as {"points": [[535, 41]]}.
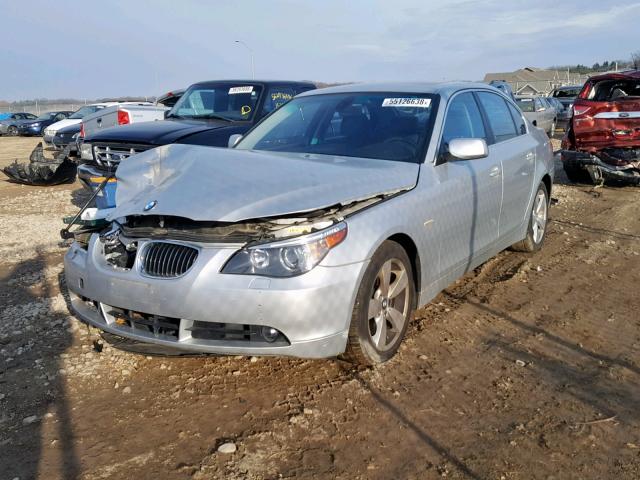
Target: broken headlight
{"points": [[286, 258]]}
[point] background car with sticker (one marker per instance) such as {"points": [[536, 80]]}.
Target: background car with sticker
{"points": [[208, 113]]}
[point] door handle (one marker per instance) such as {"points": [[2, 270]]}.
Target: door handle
{"points": [[494, 172], [529, 156]]}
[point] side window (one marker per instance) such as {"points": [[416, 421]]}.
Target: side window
{"points": [[521, 126], [276, 97], [60, 116], [538, 104], [463, 119], [499, 117]]}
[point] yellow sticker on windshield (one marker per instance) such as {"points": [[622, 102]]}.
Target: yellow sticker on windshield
{"points": [[245, 110], [407, 102]]}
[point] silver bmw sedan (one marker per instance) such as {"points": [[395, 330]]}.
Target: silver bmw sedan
{"points": [[322, 229]]}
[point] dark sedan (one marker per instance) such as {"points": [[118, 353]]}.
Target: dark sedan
{"points": [[9, 125], [37, 125]]}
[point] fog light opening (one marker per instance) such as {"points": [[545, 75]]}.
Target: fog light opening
{"points": [[270, 334]]}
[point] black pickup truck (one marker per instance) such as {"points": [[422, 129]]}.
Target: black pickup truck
{"points": [[208, 113]]}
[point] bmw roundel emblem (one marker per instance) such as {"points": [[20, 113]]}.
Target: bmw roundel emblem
{"points": [[151, 205]]}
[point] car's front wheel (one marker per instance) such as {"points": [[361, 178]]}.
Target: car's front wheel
{"points": [[384, 304], [12, 131], [538, 217]]}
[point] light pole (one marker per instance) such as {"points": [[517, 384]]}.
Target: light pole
{"points": [[253, 72]]}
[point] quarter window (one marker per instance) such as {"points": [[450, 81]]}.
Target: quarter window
{"points": [[498, 115], [463, 119]]}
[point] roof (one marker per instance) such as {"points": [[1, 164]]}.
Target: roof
{"points": [[628, 75], [445, 89], [257, 82], [528, 74]]}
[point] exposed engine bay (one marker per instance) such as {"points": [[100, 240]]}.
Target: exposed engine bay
{"points": [[120, 238]]}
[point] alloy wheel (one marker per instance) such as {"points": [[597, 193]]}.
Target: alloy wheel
{"points": [[539, 216], [389, 305]]}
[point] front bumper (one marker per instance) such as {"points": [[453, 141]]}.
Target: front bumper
{"points": [[29, 130], [312, 311], [599, 170]]}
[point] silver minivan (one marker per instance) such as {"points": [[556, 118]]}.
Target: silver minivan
{"points": [[322, 230]]}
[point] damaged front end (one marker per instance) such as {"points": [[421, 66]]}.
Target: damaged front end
{"points": [[609, 164]]}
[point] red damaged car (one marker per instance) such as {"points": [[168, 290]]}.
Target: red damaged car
{"points": [[602, 140]]}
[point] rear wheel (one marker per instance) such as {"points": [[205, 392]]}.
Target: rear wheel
{"points": [[537, 222], [384, 303]]}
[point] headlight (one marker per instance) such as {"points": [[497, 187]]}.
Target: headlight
{"points": [[287, 258], [37, 124], [85, 151]]}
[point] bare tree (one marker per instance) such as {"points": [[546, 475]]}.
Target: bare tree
{"points": [[635, 60]]}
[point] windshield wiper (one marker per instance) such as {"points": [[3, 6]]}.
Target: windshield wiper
{"points": [[173, 115], [213, 116]]}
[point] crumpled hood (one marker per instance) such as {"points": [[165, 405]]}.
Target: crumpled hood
{"points": [[229, 185], [154, 133]]}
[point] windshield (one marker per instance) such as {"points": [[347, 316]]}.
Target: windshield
{"points": [[84, 111], [526, 104], [386, 126], [567, 92], [228, 101]]}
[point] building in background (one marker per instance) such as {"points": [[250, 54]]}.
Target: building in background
{"points": [[537, 81]]}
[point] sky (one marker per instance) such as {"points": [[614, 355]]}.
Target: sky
{"points": [[89, 49]]}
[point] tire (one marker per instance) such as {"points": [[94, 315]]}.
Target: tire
{"points": [[538, 219], [366, 344], [12, 131]]}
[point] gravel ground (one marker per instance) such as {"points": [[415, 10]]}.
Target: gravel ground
{"points": [[529, 367]]}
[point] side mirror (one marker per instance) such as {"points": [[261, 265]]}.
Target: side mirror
{"points": [[166, 113], [541, 109], [234, 139], [468, 148]]}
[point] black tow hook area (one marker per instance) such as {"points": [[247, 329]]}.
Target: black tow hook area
{"points": [[599, 170]]}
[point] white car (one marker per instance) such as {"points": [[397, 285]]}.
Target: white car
{"points": [[122, 114], [77, 117]]}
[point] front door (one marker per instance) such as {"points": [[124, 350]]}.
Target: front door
{"points": [[471, 190]]}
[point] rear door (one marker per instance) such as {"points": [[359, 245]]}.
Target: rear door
{"points": [[515, 148]]}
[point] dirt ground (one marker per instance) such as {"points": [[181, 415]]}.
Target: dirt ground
{"points": [[528, 368]]}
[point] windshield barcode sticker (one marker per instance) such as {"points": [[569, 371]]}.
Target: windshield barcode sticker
{"points": [[236, 90], [407, 102]]}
